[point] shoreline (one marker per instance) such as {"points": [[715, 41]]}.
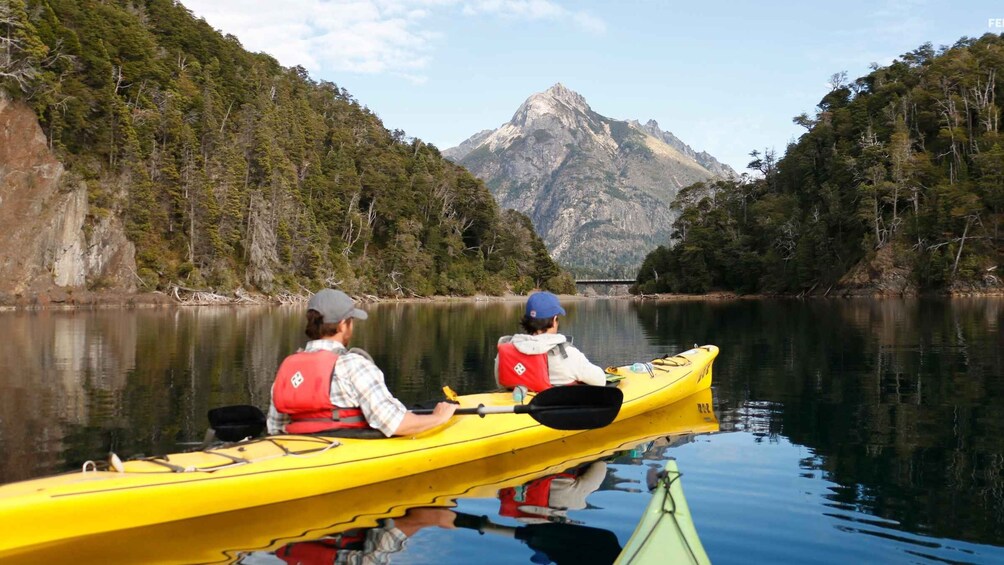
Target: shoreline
{"points": [[66, 300], [75, 299]]}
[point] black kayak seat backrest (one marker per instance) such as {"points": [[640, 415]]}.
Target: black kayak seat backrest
{"points": [[234, 423]]}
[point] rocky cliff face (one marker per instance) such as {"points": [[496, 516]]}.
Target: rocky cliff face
{"points": [[50, 241], [705, 159], [597, 189]]}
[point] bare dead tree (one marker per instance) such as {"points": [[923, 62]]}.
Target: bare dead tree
{"points": [[983, 96], [16, 63]]}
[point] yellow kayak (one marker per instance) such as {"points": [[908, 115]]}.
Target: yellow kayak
{"points": [[226, 537], [280, 469]]}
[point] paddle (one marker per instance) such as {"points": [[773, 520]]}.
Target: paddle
{"points": [[562, 543], [234, 423], [562, 408]]}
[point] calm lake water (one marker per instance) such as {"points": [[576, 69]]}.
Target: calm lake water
{"points": [[850, 430]]}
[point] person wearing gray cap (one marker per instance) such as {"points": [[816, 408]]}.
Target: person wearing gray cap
{"points": [[328, 387]]}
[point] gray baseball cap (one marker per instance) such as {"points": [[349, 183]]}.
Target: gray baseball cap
{"points": [[335, 306]]}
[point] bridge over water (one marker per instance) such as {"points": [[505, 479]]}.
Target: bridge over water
{"points": [[588, 282]]}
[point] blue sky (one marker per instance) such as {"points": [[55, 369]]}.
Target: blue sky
{"points": [[725, 77]]}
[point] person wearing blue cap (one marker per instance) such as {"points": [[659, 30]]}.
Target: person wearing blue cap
{"points": [[542, 357], [330, 389]]}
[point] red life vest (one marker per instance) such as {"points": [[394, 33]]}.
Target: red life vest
{"points": [[518, 368], [534, 493], [302, 390], [324, 550]]}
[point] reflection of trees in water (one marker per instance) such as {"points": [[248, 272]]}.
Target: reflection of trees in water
{"points": [[57, 369], [902, 401], [132, 381], [422, 347]]}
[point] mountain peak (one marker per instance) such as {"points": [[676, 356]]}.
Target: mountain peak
{"points": [[556, 103], [561, 93], [597, 188]]}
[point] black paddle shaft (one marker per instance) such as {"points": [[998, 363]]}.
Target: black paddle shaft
{"points": [[562, 408]]}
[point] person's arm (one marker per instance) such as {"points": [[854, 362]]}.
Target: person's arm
{"points": [[413, 423], [381, 409], [276, 421], [496, 372], [584, 371], [572, 494]]}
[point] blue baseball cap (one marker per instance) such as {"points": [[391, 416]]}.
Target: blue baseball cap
{"points": [[543, 305]]}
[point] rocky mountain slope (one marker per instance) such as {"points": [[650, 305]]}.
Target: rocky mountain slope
{"points": [[597, 189], [50, 238], [704, 158]]}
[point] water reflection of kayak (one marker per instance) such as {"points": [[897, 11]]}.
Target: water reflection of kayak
{"points": [[666, 532], [227, 536], [283, 468]]}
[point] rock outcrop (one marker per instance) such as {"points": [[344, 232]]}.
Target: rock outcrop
{"points": [[598, 190], [51, 242], [705, 159]]}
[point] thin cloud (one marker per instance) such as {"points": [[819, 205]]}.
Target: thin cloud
{"points": [[364, 36], [541, 10]]}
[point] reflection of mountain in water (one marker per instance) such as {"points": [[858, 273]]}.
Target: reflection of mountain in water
{"points": [[901, 402]]}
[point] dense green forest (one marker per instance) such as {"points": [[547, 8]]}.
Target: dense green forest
{"points": [[231, 171], [900, 171]]}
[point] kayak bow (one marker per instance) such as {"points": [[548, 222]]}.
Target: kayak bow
{"points": [[666, 533]]}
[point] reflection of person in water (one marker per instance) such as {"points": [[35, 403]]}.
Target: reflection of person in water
{"points": [[549, 499], [362, 546], [543, 504]]}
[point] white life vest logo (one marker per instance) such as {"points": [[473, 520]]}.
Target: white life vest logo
{"points": [[296, 380], [519, 368]]}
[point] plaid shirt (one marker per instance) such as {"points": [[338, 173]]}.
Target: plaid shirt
{"points": [[356, 382], [380, 546]]}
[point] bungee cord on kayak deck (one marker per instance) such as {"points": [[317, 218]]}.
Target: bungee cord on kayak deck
{"points": [[231, 459]]}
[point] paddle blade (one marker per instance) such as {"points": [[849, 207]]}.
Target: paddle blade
{"points": [[571, 544], [234, 423], [579, 407]]}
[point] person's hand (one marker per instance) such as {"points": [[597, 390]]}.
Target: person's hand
{"points": [[444, 411], [441, 517]]}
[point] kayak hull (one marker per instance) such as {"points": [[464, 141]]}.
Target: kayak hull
{"points": [[284, 468]]}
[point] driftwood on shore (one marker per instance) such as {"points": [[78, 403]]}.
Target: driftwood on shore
{"points": [[203, 297], [199, 297]]}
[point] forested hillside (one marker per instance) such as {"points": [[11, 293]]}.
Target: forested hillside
{"points": [[897, 185], [231, 171]]}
